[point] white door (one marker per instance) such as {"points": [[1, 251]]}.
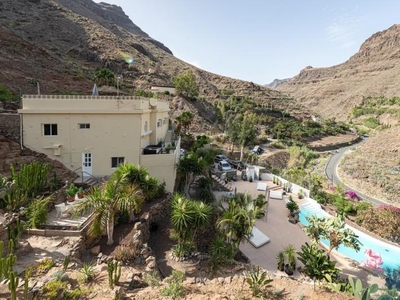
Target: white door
{"points": [[87, 163]]}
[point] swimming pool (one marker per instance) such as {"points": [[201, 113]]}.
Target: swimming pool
{"points": [[390, 254]]}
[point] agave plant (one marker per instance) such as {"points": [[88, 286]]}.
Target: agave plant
{"points": [[258, 280]]}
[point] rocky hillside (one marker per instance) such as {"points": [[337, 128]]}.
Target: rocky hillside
{"points": [[62, 44], [334, 91]]}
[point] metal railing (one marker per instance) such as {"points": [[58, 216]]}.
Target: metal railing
{"points": [[82, 173]]}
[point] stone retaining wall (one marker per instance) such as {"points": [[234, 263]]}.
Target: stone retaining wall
{"points": [[331, 147]]}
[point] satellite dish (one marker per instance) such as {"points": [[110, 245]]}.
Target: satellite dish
{"points": [[153, 102]]}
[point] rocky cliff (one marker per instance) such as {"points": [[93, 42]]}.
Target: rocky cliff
{"points": [[334, 91]]}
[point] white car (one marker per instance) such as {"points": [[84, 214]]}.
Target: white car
{"points": [[223, 165]]}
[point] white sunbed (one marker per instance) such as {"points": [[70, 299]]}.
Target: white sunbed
{"points": [[258, 238], [276, 194], [262, 186]]}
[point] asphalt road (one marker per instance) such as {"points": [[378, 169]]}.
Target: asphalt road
{"points": [[331, 172]]}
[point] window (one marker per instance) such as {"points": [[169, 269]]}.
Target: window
{"points": [[159, 123], [165, 121], [84, 126], [115, 161], [49, 129], [145, 126]]}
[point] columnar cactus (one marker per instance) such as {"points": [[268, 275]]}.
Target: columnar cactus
{"points": [[114, 272], [12, 285], [6, 263]]}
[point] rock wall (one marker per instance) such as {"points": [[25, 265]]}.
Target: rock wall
{"points": [[138, 247], [336, 146], [10, 126]]}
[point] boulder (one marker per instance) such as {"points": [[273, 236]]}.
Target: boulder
{"points": [[95, 250]]}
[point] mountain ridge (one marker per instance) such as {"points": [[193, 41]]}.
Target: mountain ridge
{"points": [[371, 71]]}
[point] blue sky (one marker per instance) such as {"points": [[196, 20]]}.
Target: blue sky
{"points": [[260, 40]]}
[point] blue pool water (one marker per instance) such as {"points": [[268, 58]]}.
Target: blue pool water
{"points": [[390, 254]]}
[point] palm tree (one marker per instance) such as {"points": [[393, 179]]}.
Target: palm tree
{"points": [[138, 175], [106, 201], [188, 216], [184, 121], [334, 230], [237, 221]]}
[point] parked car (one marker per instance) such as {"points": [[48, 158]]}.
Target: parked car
{"points": [[223, 165], [257, 150], [219, 158], [237, 164]]}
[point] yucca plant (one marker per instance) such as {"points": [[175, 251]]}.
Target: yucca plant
{"points": [[87, 272], [258, 281]]}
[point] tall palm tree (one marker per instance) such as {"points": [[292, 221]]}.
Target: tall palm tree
{"points": [[106, 201], [237, 221]]}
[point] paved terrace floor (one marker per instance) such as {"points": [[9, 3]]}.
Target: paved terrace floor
{"points": [[282, 233]]}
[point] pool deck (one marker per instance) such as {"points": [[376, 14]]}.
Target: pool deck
{"points": [[282, 233]]}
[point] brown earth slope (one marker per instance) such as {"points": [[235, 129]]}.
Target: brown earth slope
{"points": [[63, 43], [374, 167], [334, 91]]}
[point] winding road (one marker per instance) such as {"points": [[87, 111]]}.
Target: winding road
{"points": [[331, 171]]}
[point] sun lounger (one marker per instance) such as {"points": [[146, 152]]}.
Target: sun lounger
{"points": [[276, 194], [258, 238], [262, 186]]}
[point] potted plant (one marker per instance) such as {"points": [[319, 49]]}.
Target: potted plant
{"points": [[71, 192], [80, 193], [301, 194], [280, 257], [250, 178], [292, 207], [290, 253], [289, 269]]}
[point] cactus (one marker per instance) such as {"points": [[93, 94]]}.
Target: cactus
{"points": [[359, 292], [12, 285], [114, 272], [11, 246], [66, 262], [6, 264], [28, 275]]}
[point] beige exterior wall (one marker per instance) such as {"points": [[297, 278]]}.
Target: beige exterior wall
{"points": [[117, 129]]}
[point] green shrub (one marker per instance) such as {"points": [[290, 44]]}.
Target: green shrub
{"points": [[5, 94], [152, 278], [174, 289], [316, 263], [371, 122], [53, 290]]}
